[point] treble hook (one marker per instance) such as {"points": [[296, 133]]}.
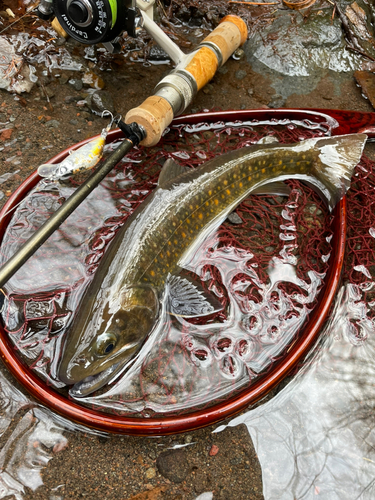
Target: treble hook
{"points": [[105, 113]]}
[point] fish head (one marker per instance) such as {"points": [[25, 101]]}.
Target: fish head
{"points": [[109, 340]]}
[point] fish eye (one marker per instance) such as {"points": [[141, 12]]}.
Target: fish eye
{"points": [[105, 343]]}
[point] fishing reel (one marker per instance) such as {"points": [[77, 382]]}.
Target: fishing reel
{"points": [[93, 21]]}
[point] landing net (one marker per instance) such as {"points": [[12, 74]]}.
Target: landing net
{"points": [[266, 266]]}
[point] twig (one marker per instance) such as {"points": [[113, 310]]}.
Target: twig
{"points": [[28, 12], [333, 14], [354, 49]]}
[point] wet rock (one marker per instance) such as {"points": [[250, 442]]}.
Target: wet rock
{"points": [[277, 101], [15, 74], [6, 134], [150, 473], [100, 101], [157, 54], [64, 78], [240, 74], [92, 80], [52, 124], [359, 28], [183, 13], [214, 449], [173, 465], [70, 98], [77, 84], [295, 46], [234, 218]]}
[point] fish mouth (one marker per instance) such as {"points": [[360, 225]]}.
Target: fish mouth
{"points": [[94, 382]]}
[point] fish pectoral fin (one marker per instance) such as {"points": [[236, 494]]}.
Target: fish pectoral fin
{"points": [[170, 171], [275, 188], [189, 300]]}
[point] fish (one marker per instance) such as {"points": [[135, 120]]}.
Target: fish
{"points": [[83, 158], [142, 270]]}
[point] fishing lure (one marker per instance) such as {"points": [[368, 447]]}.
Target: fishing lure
{"points": [[83, 158]]}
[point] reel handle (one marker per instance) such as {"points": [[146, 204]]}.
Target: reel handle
{"points": [[176, 91]]}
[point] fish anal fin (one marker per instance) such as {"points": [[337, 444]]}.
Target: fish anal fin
{"points": [[170, 171], [188, 299]]}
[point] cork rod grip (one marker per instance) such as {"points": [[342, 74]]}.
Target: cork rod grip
{"points": [[156, 113]]}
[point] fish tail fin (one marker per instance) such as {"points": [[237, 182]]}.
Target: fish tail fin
{"points": [[338, 157]]}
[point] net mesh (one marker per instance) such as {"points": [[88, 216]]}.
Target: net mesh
{"points": [[43, 296]]}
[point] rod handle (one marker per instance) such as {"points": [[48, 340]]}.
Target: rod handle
{"points": [[154, 114], [157, 112]]}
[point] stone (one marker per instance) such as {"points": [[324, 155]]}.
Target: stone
{"points": [[150, 473], [100, 101], [173, 465], [77, 84], [92, 80], [64, 78], [157, 54], [234, 218], [52, 124], [70, 98], [214, 449], [240, 74]]}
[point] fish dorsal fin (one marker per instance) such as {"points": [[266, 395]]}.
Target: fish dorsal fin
{"points": [[170, 171], [189, 300]]}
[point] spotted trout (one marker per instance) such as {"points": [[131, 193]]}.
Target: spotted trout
{"points": [[141, 269]]}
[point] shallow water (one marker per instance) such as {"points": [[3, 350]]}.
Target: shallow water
{"points": [[316, 437]]}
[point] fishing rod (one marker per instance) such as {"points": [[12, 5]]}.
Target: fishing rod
{"points": [[145, 124]]}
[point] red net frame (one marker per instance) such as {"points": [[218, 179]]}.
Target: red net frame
{"points": [[113, 423]]}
